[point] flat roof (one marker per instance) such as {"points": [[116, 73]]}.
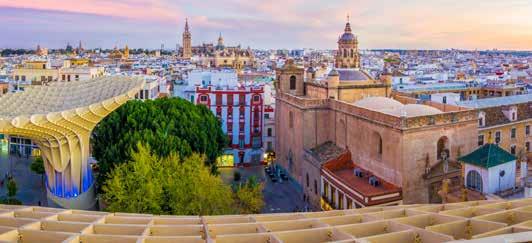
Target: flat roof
{"points": [[429, 87], [347, 176], [497, 101]]}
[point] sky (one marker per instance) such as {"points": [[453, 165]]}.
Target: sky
{"points": [[265, 24]]}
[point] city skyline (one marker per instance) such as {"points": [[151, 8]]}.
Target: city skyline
{"points": [[411, 24]]}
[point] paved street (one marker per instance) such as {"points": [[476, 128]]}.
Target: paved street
{"points": [[30, 189], [278, 196]]}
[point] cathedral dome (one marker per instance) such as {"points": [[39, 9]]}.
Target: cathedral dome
{"points": [[379, 103], [347, 37], [396, 108], [411, 110]]}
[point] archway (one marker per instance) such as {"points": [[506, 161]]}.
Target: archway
{"points": [[474, 180], [442, 148], [292, 82], [376, 144]]}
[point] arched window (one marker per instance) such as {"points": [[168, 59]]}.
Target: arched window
{"points": [[345, 53], [474, 180], [377, 143], [379, 146], [292, 82], [481, 119], [308, 181], [352, 53], [442, 148]]}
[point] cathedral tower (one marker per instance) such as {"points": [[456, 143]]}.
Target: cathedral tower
{"points": [[347, 55], [187, 42], [220, 44]]}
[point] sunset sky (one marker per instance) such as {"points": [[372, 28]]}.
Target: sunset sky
{"points": [[405, 24]]}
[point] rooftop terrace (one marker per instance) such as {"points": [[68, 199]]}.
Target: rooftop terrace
{"points": [[481, 221]]}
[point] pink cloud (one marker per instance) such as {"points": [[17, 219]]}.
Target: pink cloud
{"points": [[135, 9]]}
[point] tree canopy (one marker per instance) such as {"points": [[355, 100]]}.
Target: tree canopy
{"points": [[175, 185], [167, 125]]}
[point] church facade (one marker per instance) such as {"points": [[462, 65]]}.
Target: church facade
{"points": [[396, 139]]}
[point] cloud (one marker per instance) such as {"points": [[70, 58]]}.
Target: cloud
{"points": [[409, 24]]}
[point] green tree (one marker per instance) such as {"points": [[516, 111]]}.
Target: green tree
{"points": [[166, 185], [37, 166], [248, 197], [11, 188], [168, 125], [11, 193]]}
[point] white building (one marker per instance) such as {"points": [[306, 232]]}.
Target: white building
{"points": [[489, 169], [153, 87]]}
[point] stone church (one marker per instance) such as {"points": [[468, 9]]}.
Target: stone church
{"points": [[398, 139]]}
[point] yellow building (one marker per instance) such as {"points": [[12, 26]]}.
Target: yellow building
{"points": [[35, 72], [507, 120]]}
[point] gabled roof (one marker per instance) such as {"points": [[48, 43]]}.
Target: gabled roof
{"points": [[487, 156]]}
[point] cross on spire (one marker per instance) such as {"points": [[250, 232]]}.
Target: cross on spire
{"points": [[347, 18]]}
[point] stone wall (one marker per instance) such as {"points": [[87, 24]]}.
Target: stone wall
{"points": [[405, 141]]}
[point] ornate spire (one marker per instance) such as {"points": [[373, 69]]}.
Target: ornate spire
{"points": [[186, 25], [347, 26]]}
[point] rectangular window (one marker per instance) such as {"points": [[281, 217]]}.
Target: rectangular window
{"points": [[43, 79], [349, 203], [480, 140], [269, 132], [241, 143], [527, 146], [315, 187], [497, 137], [63, 77], [267, 116], [527, 130], [49, 78], [23, 78], [203, 98], [17, 78], [512, 149], [229, 99], [218, 99], [512, 133], [269, 146]]}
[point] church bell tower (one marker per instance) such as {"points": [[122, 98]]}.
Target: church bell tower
{"points": [[187, 42]]}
